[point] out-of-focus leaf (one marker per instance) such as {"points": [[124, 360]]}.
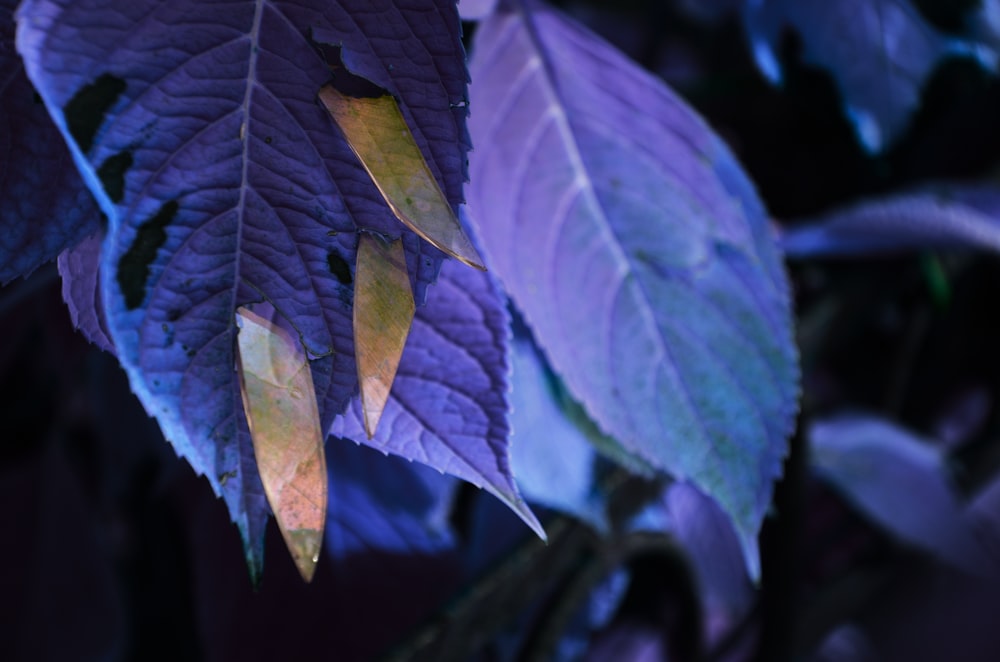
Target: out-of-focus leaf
{"points": [[879, 52], [79, 268], [44, 206], [984, 22], [554, 463], [713, 549], [448, 405], [630, 641], [898, 480], [378, 135], [280, 405], [383, 313], [847, 643], [942, 216], [475, 10], [963, 416], [555, 448], [639, 253], [225, 182], [385, 504]]}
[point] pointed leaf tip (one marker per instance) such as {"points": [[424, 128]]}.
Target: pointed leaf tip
{"points": [[383, 313], [279, 400], [378, 135]]}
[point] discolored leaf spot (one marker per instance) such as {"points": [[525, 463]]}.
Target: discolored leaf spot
{"points": [[85, 111], [133, 267], [339, 268], [279, 400], [112, 174], [378, 135], [383, 312]]}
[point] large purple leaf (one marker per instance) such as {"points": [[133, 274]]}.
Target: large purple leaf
{"points": [[639, 253], [879, 52], [45, 207], [934, 217], [900, 481], [448, 405], [196, 126]]}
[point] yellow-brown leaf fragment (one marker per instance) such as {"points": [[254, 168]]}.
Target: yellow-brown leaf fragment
{"points": [[280, 404], [383, 313], [377, 133]]}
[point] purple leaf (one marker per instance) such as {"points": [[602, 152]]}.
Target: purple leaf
{"points": [[879, 52], [555, 448], [554, 462], [899, 481], [847, 643], [79, 268], [639, 253], [630, 641], [475, 10], [448, 405], [195, 124], [713, 548], [984, 22], [46, 208], [384, 504], [388, 534], [936, 217]]}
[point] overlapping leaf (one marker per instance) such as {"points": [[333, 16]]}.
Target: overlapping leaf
{"points": [[880, 52], [195, 123], [556, 449], [79, 268], [900, 481], [639, 253], [448, 405], [933, 217], [45, 207]]}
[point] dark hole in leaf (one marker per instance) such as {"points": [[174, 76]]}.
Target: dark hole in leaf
{"points": [[339, 268], [133, 267], [112, 174], [85, 111], [346, 82]]}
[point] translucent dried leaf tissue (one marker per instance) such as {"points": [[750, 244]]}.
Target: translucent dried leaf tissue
{"points": [[280, 404]]}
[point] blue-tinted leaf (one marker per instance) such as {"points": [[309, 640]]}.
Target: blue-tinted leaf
{"points": [[713, 549], [556, 449], [879, 52], [231, 185], [898, 480], [847, 643], [554, 462], [942, 216], [79, 268], [474, 10], [44, 206], [393, 553], [385, 504], [984, 22], [448, 405], [639, 253]]}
